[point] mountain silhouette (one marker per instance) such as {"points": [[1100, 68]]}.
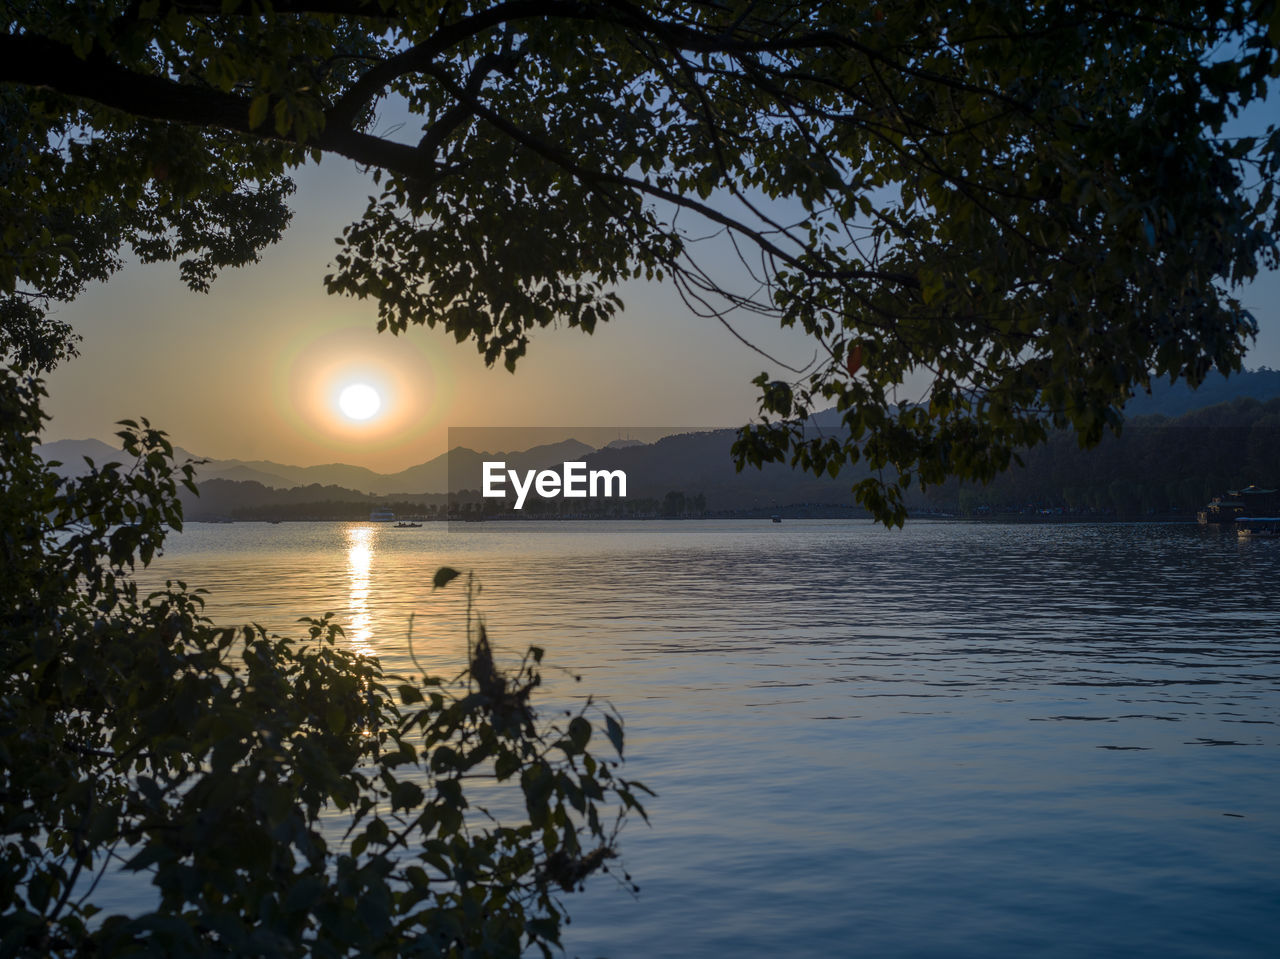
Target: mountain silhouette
{"points": [[429, 477], [689, 463]]}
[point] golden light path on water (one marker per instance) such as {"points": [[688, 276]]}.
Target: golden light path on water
{"points": [[359, 564]]}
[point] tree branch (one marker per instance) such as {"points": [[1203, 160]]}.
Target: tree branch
{"points": [[570, 165], [39, 62], [415, 59]]}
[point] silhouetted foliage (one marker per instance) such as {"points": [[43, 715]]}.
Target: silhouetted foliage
{"points": [[1035, 204], [135, 734]]}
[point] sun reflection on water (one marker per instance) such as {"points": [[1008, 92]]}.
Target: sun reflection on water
{"points": [[359, 563]]}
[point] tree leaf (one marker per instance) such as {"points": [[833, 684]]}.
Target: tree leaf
{"points": [[613, 730]]}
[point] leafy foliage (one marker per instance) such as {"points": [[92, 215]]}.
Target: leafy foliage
{"points": [[1034, 205], [77, 188], [136, 734]]}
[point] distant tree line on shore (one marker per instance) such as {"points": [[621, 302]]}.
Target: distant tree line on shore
{"points": [[675, 504], [248, 501], [1156, 466]]}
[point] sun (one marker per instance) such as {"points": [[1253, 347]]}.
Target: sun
{"points": [[359, 401]]}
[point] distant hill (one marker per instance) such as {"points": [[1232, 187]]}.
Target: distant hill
{"points": [[71, 455], [1156, 466], [429, 477], [328, 474], [701, 463], [1178, 398], [224, 498], [445, 472], [242, 474]]}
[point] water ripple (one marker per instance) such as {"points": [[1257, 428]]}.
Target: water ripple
{"points": [[949, 740]]}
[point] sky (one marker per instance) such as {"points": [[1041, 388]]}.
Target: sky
{"points": [[254, 369]]}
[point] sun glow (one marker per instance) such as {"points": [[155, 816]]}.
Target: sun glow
{"points": [[408, 397], [359, 401]]}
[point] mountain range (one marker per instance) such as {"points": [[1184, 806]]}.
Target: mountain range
{"points": [[429, 477], [1175, 399], [692, 462], [687, 462]]}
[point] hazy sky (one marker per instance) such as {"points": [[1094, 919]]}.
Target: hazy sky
{"points": [[253, 369]]}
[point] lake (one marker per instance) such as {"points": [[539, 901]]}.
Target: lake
{"points": [[951, 740]]}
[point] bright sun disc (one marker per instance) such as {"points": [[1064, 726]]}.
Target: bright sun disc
{"points": [[359, 401]]}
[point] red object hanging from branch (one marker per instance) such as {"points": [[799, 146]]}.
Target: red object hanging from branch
{"points": [[853, 362]]}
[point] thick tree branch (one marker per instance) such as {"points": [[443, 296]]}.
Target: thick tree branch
{"points": [[39, 62]]}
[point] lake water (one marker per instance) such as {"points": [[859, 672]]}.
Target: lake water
{"points": [[950, 740]]}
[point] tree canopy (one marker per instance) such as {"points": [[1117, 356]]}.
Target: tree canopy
{"points": [[1040, 206]]}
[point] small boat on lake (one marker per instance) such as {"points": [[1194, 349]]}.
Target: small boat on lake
{"points": [[407, 526]]}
